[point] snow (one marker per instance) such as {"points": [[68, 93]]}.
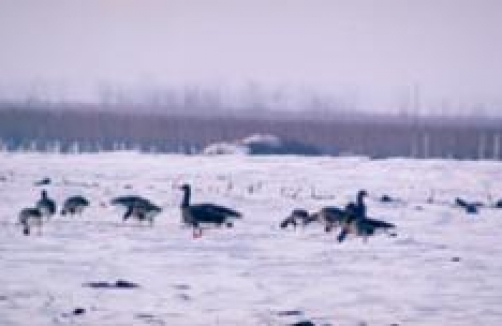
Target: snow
{"points": [[254, 273]]}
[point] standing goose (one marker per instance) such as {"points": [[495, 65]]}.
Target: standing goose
{"points": [[30, 217], [196, 215], [74, 205], [138, 207], [46, 205], [358, 223]]}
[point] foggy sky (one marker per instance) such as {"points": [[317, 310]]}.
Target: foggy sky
{"points": [[371, 51]]}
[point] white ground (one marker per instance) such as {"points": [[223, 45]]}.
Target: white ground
{"points": [[254, 273]]}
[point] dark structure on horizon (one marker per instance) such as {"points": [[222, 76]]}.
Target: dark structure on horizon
{"points": [[92, 130]]}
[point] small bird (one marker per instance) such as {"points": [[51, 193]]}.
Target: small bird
{"points": [[30, 217], [46, 205], [74, 205], [199, 214]]}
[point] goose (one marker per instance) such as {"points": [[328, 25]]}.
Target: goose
{"points": [[358, 223], [196, 215], [74, 205], [331, 217], [470, 207], [46, 205], [30, 217], [298, 216], [138, 207]]}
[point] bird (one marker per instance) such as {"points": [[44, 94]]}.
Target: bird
{"points": [[199, 214], [331, 217], [46, 205], [138, 207], [298, 216], [30, 217], [470, 207], [74, 205], [358, 223]]}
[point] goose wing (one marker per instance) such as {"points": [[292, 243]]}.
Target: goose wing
{"points": [[333, 210], [130, 201], [374, 223], [209, 213], [76, 201], [221, 210]]}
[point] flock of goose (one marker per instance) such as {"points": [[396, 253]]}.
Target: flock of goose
{"points": [[350, 220]]}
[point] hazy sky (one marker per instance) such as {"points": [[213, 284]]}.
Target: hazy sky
{"points": [[372, 51]]}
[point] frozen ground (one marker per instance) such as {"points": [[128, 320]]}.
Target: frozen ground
{"points": [[255, 273]]}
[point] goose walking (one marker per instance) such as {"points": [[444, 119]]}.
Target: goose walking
{"points": [[74, 205], [198, 215], [29, 218], [46, 205]]}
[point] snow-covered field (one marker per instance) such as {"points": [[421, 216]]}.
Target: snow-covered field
{"points": [[443, 268]]}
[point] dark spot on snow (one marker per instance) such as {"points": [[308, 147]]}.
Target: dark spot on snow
{"points": [[43, 182], [3, 297], [98, 285], [125, 284], [386, 199], [184, 297], [182, 286], [455, 259], [303, 323], [119, 284], [78, 311], [498, 204], [290, 313]]}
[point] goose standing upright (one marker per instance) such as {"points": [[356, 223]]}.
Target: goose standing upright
{"points": [[46, 205], [199, 214], [358, 223]]}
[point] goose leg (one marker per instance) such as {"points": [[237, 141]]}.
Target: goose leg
{"points": [[197, 232], [127, 214]]}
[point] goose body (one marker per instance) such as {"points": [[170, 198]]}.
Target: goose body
{"points": [[332, 217], [298, 216], [138, 207], [29, 218], [74, 205], [197, 215], [46, 205]]}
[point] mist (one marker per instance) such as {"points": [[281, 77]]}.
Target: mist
{"points": [[383, 56]]}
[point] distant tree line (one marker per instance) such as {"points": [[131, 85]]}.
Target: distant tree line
{"points": [[93, 129]]}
